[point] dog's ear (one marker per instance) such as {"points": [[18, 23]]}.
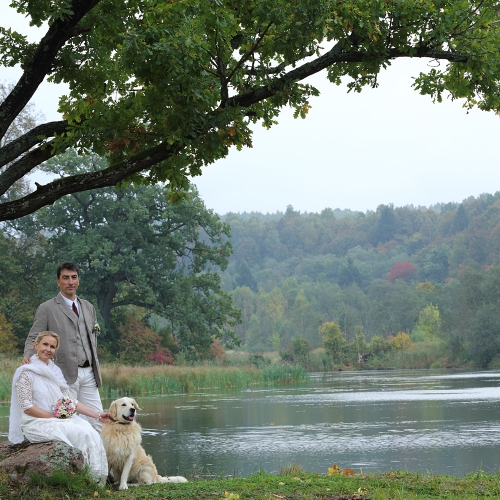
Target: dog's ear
{"points": [[112, 410], [136, 406]]}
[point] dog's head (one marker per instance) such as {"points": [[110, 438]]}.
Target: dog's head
{"points": [[123, 410]]}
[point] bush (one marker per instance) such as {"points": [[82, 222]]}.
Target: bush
{"points": [[380, 346], [333, 340], [141, 345], [216, 351], [402, 342]]}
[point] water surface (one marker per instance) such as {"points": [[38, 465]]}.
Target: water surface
{"points": [[431, 421]]}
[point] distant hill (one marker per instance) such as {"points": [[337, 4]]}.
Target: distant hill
{"points": [[291, 271]]}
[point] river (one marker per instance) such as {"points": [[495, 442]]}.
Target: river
{"points": [[442, 422]]}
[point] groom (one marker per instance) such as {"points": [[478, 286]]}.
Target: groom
{"points": [[75, 321]]}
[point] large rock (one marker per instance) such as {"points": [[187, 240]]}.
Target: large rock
{"points": [[20, 461]]}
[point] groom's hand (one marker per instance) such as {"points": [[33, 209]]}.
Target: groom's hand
{"points": [[26, 361]]}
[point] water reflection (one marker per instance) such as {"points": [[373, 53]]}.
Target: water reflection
{"points": [[443, 422]]}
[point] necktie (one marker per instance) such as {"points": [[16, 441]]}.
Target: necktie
{"points": [[75, 310]]}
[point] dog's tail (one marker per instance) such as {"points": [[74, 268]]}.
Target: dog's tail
{"points": [[173, 479]]}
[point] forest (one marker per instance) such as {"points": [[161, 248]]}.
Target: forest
{"points": [[425, 273], [178, 282]]}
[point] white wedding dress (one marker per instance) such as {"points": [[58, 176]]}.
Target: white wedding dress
{"points": [[37, 384]]}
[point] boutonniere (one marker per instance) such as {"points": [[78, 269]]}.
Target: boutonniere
{"points": [[96, 329]]}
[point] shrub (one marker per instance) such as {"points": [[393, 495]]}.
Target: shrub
{"points": [[380, 346], [333, 340], [162, 356], [216, 351], [141, 345], [402, 342]]}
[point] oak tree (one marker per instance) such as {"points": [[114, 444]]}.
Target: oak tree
{"points": [[165, 88], [136, 249]]}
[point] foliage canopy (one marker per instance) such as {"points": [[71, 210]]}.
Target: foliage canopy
{"points": [[165, 88]]}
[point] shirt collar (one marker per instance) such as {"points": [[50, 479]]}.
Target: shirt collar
{"points": [[70, 302]]}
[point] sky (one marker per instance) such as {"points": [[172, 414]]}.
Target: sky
{"points": [[353, 151]]}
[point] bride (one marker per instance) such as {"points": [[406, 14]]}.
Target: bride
{"points": [[35, 388]]}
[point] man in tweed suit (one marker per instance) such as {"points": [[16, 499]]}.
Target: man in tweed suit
{"points": [[75, 321]]}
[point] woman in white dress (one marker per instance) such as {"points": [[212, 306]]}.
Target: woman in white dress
{"points": [[35, 388]]}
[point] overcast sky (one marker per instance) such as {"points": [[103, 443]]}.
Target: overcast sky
{"points": [[355, 151]]}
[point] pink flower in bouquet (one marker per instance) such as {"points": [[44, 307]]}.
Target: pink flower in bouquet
{"points": [[63, 408]]}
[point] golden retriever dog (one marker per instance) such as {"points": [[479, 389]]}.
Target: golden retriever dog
{"points": [[122, 442]]}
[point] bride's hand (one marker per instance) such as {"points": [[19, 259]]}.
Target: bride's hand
{"points": [[105, 418]]}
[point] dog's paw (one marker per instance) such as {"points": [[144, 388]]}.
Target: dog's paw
{"points": [[123, 486], [176, 479]]}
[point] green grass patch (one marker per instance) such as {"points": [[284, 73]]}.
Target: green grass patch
{"points": [[295, 485]]}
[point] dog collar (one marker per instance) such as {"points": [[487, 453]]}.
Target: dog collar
{"points": [[117, 422]]}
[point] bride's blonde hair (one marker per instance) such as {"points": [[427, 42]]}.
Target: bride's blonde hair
{"points": [[46, 334]]}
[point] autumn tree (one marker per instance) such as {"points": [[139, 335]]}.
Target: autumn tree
{"points": [[402, 271], [402, 342], [139, 345], [166, 88]]}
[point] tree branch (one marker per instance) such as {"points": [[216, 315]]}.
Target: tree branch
{"points": [[51, 192], [333, 56], [45, 195], [24, 165], [17, 147], [40, 63]]}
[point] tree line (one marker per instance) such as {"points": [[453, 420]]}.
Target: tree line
{"points": [[427, 272], [172, 280]]}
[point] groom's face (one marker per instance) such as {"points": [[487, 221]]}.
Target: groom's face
{"points": [[68, 282]]}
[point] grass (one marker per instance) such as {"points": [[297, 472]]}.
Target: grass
{"points": [[123, 380], [8, 366], [163, 379], [292, 485]]}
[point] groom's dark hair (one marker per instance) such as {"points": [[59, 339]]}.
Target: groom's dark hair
{"points": [[67, 265]]}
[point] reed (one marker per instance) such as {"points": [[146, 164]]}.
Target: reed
{"points": [[123, 380], [8, 366], [162, 379], [427, 354]]}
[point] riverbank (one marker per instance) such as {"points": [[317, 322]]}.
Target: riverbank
{"points": [[290, 485], [122, 380], [242, 369]]}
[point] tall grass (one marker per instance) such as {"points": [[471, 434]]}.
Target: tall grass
{"points": [[427, 354], [120, 380], [8, 366], [127, 380]]}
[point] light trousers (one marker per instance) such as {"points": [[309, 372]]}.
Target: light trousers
{"points": [[84, 389]]}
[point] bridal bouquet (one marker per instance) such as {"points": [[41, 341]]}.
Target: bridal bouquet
{"points": [[63, 408]]}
